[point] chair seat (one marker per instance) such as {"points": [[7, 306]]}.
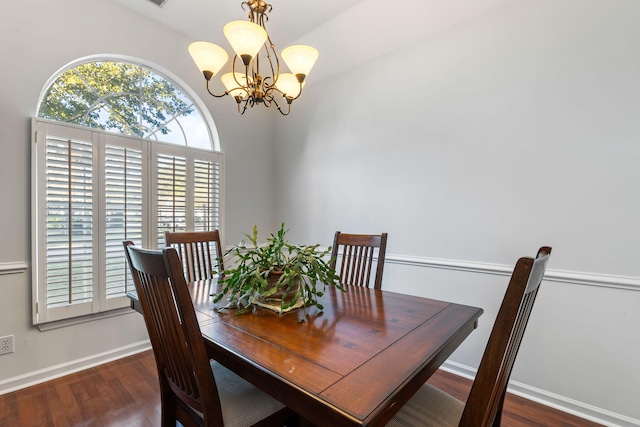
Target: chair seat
{"points": [[429, 407], [242, 403]]}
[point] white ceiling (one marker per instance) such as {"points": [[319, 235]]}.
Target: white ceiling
{"points": [[346, 32]]}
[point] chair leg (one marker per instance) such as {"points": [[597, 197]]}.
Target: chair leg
{"points": [[284, 417], [186, 415], [168, 412], [298, 421], [498, 419]]}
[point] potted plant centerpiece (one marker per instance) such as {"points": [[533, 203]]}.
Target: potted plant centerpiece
{"points": [[276, 274]]}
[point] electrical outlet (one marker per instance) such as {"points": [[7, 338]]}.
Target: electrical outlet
{"points": [[6, 344]]}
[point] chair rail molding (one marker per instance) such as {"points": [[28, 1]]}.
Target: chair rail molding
{"points": [[572, 277], [13, 267]]}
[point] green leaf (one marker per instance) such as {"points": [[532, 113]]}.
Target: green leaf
{"points": [[298, 263]]}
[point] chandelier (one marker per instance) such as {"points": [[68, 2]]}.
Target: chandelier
{"points": [[252, 85]]}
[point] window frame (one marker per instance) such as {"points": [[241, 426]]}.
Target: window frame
{"points": [[154, 68], [41, 129]]}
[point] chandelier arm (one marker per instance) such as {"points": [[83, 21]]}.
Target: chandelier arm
{"points": [[269, 47], [247, 85], [275, 73], [246, 88], [255, 64], [213, 94], [280, 109], [268, 99], [275, 89], [233, 71], [299, 93], [288, 98], [244, 107]]}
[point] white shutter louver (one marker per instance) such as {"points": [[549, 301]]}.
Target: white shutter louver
{"points": [[123, 214], [171, 195], [206, 195], [69, 207]]}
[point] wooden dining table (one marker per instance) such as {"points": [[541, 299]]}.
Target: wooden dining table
{"points": [[354, 363]]}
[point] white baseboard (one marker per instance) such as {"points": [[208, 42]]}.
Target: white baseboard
{"points": [[32, 378], [570, 406]]}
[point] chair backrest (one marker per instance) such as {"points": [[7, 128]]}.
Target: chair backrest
{"points": [[358, 252], [484, 404], [183, 365], [200, 252]]}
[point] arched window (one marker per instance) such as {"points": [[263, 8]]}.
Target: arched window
{"points": [[125, 98], [120, 153]]}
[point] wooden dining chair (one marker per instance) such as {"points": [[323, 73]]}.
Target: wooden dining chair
{"points": [[433, 407], [193, 389], [357, 252], [200, 252]]}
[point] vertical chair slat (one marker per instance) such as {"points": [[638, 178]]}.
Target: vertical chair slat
{"points": [[200, 252], [356, 253]]}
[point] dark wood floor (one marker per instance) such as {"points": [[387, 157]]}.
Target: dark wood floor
{"points": [[125, 394], [517, 411]]}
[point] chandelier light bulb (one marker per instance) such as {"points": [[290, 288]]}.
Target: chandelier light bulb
{"points": [[209, 57], [231, 83], [288, 84], [300, 59], [246, 38]]}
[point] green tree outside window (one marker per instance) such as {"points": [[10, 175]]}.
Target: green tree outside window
{"points": [[122, 98]]}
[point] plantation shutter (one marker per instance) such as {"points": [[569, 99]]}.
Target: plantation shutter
{"points": [[90, 191], [67, 193], [171, 194], [206, 204], [124, 214], [188, 191]]}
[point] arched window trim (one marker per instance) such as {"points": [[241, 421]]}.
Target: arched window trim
{"points": [[168, 75]]}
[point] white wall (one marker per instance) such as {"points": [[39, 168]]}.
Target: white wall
{"points": [[38, 38], [480, 144], [511, 131]]}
